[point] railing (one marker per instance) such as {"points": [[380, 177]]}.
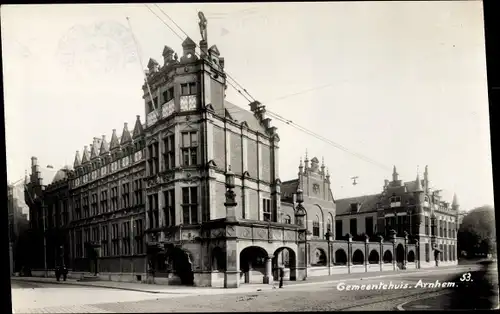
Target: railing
{"points": [[168, 108], [188, 103], [152, 118]]}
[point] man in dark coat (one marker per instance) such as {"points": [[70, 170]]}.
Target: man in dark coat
{"points": [[281, 271]]}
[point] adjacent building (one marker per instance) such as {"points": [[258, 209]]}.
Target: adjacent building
{"points": [[18, 225], [407, 208]]}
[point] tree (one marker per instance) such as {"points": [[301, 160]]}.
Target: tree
{"points": [[477, 233]]}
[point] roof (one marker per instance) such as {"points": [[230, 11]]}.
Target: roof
{"points": [[411, 186], [239, 114], [288, 188], [60, 175], [368, 204]]}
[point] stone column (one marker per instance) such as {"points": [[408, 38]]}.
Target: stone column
{"points": [[232, 274], [349, 253], [381, 257], [268, 277], [405, 258], [394, 253], [417, 248], [367, 252]]}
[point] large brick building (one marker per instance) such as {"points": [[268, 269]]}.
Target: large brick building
{"points": [[153, 204], [404, 207]]}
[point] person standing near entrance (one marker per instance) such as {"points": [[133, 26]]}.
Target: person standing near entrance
{"points": [[281, 274]]}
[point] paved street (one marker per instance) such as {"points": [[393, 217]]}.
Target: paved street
{"points": [[403, 291]]}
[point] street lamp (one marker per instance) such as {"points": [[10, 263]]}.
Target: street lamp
{"points": [[230, 195], [300, 213]]}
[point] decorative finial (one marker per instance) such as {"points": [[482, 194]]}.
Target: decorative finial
{"points": [[323, 161], [306, 156], [327, 172], [300, 164]]}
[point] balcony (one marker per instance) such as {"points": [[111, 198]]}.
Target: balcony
{"points": [[188, 103], [168, 108], [152, 118]]}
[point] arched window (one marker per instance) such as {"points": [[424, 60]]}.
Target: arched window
{"points": [[320, 257], [287, 220], [328, 225], [316, 227]]}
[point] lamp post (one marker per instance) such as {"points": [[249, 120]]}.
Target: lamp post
{"points": [[230, 202], [300, 213]]}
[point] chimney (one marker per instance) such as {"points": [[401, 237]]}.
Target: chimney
{"points": [[34, 161]]}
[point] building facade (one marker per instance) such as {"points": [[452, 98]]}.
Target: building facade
{"points": [[18, 225], [405, 207], [194, 194]]}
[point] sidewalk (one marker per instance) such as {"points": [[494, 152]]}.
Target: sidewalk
{"points": [[184, 290]]}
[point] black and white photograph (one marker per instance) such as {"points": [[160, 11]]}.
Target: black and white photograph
{"points": [[248, 157]]}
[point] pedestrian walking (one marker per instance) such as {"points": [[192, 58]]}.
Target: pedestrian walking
{"points": [[281, 275]]}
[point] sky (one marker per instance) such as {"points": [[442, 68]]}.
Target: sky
{"points": [[401, 83]]}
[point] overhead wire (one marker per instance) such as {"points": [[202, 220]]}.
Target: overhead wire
{"points": [[248, 97]]}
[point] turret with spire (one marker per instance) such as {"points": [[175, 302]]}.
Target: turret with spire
{"points": [[323, 165], [394, 174], [78, 160], [126, 137], [426, 179], [301, 167], [306, 162], [86, 156], [454, 204], [138, 128], [114, 144], [104, 149]]}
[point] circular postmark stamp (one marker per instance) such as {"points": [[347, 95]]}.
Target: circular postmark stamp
{"points": [[96, 48]]}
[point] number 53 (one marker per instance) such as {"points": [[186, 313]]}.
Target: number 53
{"points": [[466, 277]]}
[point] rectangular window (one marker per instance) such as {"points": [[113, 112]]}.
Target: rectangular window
{"points": [[104, 241], [86, 240], [427, 253], [115, 240], [442, 252], [190, 205], [95, 234], [104, 202], [168, 94], [138, 200], [78, 244], [139, 237], [125, 195], [153, 160], [353, 227], [266, 209], [427, 225], [440, 228], [369, 225], [338, 229], [153, 211], [169, 155], [78, 208], [169, 207], [114, 198], [316, 228], [126, 238], [189, 148], [86, 206], [395, 199], [188, 89]]}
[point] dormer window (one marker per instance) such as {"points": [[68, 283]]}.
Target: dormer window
{"points": [[395, 199], [355, 207]]}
